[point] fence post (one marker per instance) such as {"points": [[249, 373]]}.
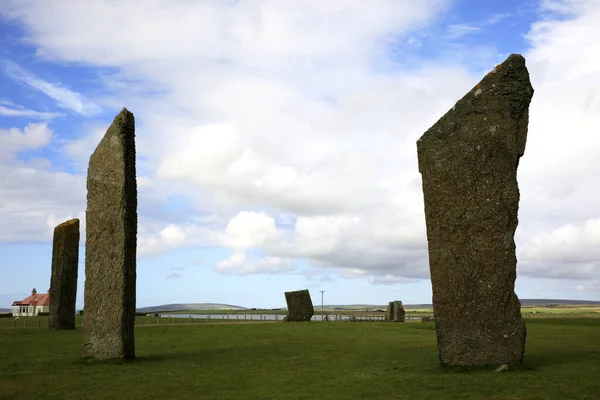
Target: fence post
{"points": [[222, 319], [251, 318], [39, 323]]}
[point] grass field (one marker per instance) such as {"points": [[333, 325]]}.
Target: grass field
{"points": [[561, 312], [295, 361]]}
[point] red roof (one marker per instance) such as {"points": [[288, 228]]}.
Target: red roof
{"points": [[34, 300]]}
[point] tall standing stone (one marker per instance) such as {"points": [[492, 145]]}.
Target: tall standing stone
{"points": [[110, 252], [468, 161], [395, 312], [299, 306], [63, 281]]}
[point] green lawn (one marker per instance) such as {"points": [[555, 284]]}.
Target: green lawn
{"points": [[295, 361], [561, 312]]}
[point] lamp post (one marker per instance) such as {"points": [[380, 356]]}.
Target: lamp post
{"points": [[322, 314]]}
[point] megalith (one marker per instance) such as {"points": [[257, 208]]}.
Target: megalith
{"points": [[110, 252], [299, 306], [468, 161], [63, 279], [395, 311]]}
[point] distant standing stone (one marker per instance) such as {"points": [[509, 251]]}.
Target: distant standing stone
{"points": [[468, 161], [395, 312], [63, 281], [299, 306], [110, 253]]}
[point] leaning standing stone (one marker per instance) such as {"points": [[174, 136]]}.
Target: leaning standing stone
{"points": [[63, 281], [299, 306], [110, 253], [468, 161]]}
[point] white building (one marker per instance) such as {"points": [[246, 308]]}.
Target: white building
{"points": [[32, 305]]}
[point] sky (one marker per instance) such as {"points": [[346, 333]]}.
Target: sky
{"points": [[276, 140]]}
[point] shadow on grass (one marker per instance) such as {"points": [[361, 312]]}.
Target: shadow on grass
{"points": [[207, 356], [532, 362], [469, 370], [563, 356]]}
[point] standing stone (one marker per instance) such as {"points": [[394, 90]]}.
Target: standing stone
{"points": [[395, 312], [63, 282], [468, 161], [110, 252], [299, 306]]}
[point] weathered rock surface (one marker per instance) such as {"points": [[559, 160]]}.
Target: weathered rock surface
{"points": [[110, 254], [468, 161], [299, 306], [63, 281], [395, 311]]}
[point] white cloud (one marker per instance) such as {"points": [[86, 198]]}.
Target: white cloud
{"points": [[240, 263], [81, 148], [33, 199], [457, 30], [560, 158], [9, 109], [344, 242], [249, 230], [174, 275], [53, 220], [64, 97], [33, 136], [281, 108], [154, 240], [568, 251], [389, 279], [495, 18], [254, 30]]}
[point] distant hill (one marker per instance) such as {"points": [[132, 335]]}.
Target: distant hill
{"points": [[190, 306], [364, 307], [524, 303], [547, 302], [4, 309]]}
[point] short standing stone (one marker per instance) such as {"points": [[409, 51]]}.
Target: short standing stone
{"points": [[110, 253], [63, 281], [468, 161], [395, 312], [299, 306]]}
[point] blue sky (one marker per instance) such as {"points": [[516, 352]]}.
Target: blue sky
{"points": [[276, 140]]}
